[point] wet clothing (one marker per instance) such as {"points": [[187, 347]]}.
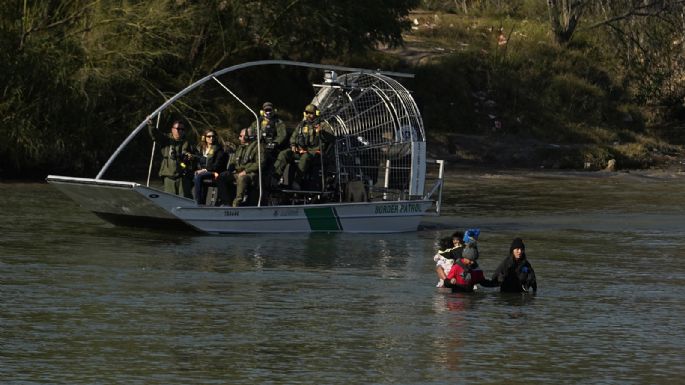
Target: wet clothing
{"points": [[176, 169], [515, 276], [452, 253], [445, 258], [456, 253], [442, 262], [231, 183], [466, 277]]}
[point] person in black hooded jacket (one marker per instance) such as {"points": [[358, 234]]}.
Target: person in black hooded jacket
{"points": [[515, 274]]}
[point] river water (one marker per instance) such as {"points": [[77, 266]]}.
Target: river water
{"points": [[83, 302]]}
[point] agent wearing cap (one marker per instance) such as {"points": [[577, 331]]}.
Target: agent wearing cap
{"points": [[465, 274], [515, 274], [310, 139], [273, 130]]}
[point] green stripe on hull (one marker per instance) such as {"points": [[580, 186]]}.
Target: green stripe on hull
{"points": [[323, 219]]}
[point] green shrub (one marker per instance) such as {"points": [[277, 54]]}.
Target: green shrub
{"points": [[575, 98]]}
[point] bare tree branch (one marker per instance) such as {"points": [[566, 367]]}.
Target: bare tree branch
{"points": [[636, 11]]}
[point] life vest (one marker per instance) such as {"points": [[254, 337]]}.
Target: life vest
{"points": [[307, 137], [465, 278], [268, 130]]}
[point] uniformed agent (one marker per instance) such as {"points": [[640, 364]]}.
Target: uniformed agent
{"points": [[176, 168], [273, 130], [310, 139], [243, 170]]}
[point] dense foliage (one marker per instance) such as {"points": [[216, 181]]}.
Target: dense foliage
{"points": [[646, 37], [77, 75], [605, 78]]}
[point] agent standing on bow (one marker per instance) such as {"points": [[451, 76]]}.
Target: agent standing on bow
{"points": [[176, 168]]}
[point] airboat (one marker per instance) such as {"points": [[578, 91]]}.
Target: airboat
{"points": [[383, 182]]}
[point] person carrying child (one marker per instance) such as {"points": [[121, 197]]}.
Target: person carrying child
{"points": [[465, 274], [451, 251], [443, 259]]}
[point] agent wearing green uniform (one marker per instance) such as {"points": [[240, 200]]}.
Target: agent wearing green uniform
{"points": [[312, 138], [273, 130], [176, 168], [243, 170]]}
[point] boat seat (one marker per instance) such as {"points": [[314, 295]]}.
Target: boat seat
{"points": [[212, 196], [355, 191], [212, 192]]}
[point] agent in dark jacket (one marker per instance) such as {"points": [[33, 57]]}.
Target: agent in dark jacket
{"points": [[465, 274], [515, 274], [211, 162]]}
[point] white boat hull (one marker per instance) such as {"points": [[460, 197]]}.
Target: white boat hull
{"points": [[379, 147], [130, 203]]}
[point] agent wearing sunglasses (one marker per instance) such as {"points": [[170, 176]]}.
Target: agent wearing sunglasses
{"points": [[273, 130], [211, 161], [175, 149]]}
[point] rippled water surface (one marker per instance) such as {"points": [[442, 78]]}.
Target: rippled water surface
{"points": [[83, 302]]}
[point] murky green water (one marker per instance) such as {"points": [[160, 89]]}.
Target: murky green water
{"points": [[82, 302]]}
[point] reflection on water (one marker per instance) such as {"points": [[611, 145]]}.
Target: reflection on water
{"points": [[86, 302]]}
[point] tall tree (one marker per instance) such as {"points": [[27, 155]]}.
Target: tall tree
{"points": [[564, 16], [73, 69], [647, 35]]}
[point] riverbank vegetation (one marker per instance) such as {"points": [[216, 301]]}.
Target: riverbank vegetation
{"points": [[518, 83], [548, 95]]}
